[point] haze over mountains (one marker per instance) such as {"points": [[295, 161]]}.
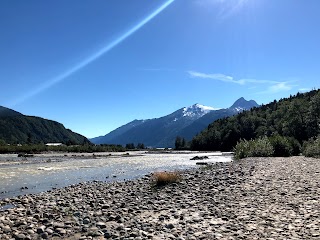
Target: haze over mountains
{"points": [[162, 132]]}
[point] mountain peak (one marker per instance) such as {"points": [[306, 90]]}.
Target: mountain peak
{"points": [[242, 104], [197, 110], [161, 132]]}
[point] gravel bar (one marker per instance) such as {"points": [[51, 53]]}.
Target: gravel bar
{"points": [[255, 198]]}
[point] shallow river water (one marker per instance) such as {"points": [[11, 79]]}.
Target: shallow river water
{"points": [[43, 172]]}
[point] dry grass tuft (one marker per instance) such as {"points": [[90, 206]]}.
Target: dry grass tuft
{"points": [[164, 178]]}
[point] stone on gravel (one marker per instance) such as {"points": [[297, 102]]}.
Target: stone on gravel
{"points": [[255, 198]]}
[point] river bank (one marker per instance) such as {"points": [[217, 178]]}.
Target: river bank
{"points": [[43, 172], [258, 198]]}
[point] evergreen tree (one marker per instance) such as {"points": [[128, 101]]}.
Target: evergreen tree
{"points": [[296, 118], [140, 146], [178, 143], [130, 146], [2, 142]]}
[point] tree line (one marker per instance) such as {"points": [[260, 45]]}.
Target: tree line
{"points": [[296, 117], [38, 148], [132, 146]]}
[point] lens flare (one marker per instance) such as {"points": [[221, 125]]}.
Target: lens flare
{"points": [[94, 56]]}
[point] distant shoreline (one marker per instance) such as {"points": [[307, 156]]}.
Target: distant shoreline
{"points": [[12, 159]]}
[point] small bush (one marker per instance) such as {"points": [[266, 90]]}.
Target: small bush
{"points": [[260, 147], [296, 146], [312, 148], [241, 150], [281, 146], [164, 178], [277, 146]]}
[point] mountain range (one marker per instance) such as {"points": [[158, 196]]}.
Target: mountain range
{"points": [[18, 128], [162, 132]]}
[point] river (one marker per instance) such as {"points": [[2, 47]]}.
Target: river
{"points": [[42, 172]]}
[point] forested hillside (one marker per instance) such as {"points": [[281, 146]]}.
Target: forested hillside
{"points": [[297, 117], [16, 128]]}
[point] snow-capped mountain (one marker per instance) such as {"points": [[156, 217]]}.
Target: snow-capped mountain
{"points": [[193, 112], [161, 132], [197, 111], [198, 125]]}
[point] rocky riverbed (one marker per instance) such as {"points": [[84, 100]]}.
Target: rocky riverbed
{"points": [[258, 198], [43, 172]]}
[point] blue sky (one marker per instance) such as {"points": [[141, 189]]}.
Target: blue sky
{"points": [[96, 65]]}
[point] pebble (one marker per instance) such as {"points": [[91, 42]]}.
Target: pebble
{"points": [[255, 198], [170, 226], [86, 221], [101, 225], [41, 229]]}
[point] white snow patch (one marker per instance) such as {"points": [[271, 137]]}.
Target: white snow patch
{"points": [[197, 110], [206, 108], [239, 109]]}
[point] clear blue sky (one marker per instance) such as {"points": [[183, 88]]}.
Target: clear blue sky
{"points": [[96, 65]]}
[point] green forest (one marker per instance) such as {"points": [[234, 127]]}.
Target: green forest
{"points": [[22, 129], [297, 118]]}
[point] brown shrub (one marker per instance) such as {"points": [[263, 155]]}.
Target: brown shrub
{"points": [[163, 178]]}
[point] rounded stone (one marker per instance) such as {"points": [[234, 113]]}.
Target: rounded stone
{"points": [[169, 226], [101, 225], [44, 235], [86, 221], [41, 229]]}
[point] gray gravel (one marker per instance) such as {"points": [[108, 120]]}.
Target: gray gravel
{"points": [[258, 198]]}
